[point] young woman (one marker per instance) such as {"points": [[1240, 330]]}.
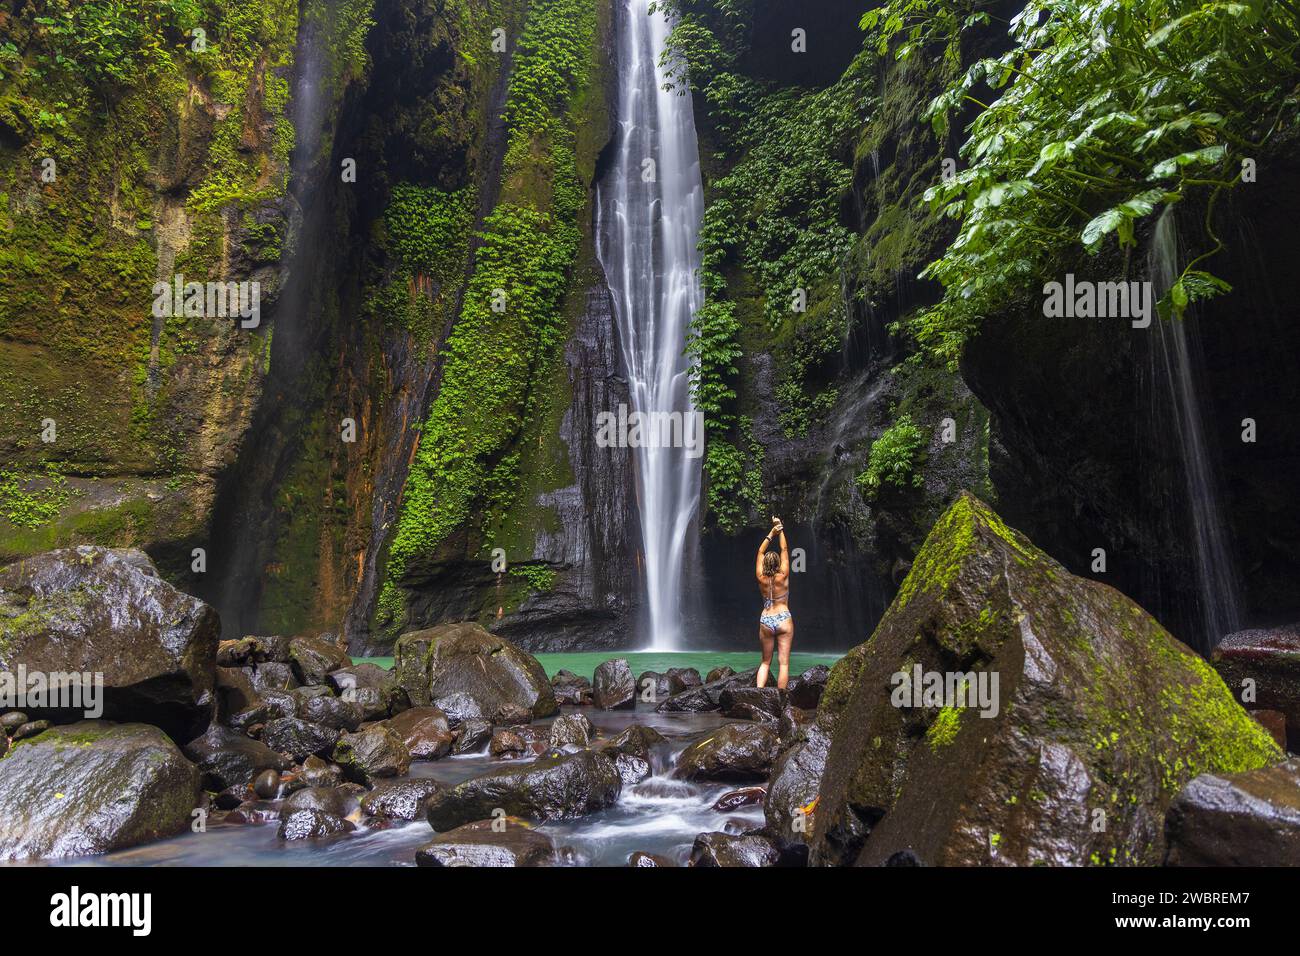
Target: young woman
{"points": [[775, 625]]}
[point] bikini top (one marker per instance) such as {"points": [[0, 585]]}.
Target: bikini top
{"points": [[771, 597]]}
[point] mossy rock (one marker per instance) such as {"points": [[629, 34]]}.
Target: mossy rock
{"points": [[1102, 717]]}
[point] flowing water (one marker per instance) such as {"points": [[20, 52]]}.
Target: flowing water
{"points": [[659, 815], [1175, 365], [648, 208]]}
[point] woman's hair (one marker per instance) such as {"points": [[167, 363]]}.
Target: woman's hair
{"points": [[771, 563]]}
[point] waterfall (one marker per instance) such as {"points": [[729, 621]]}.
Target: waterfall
{"points": [[1174, 361], [648, 208]]}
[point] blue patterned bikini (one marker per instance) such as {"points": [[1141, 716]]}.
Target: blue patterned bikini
{"points": [[773, 622]]}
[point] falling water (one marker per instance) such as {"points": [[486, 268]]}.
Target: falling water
{"points": [[649, 206], [1215, 568]]}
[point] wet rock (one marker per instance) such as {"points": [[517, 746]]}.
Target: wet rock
{"points": [[744, 797], [1274, 721], [331, 800], [273, 676], [642, 859], [571, 688], [373, 752], [313, 658], [466, 659], [30, 729], [613, 687], [425, 732], [312, 825], [331, 712], [236, 653], [637, 740], [705, 697], [372, 688], [791, 723], [684, 678], [321, 773], [472, 737], [459, 708], [1097, 707], [267, 784], [255, 716], [235, 691], [255, 812], [790, 807], [719, 673], [12, 721], [280, 703], [229, 759], [509, 714], [1271, 658], [631, 769], [230, 798], [729, 850], [1242, 819], [549, 788], [106, 610], [298, 738], [275, 648], [93, 786], [398, 799], [510, 742], [732, 752], [509, 843], [751, 703], [572, 729], [805, 691]]}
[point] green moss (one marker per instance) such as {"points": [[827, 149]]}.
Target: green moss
{"points": [[944, 729]]}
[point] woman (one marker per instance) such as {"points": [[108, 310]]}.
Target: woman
{"points": [[775, 625]]}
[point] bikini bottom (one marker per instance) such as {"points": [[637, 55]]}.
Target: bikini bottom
{"points": [[773, 622]]}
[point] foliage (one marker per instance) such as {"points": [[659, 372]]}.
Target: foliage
{"points": [[540, 577], [30, 501], [1102, 114], [428, 228], [895, 458]]}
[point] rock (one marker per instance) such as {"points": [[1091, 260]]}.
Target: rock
{"points": [[30, 729], [331, 712], [719, 673], [312, 825], [254, 811], [705, 697], [459, 708], [510, 742], [235, 691], [1242, 819], [1097, 707], [106, 611], [331, 800], [12, 721], [727, 849], [513, 714], [744, 797], [314, 658], [236, 653], [789, 807], [255, 716], [805, 691], [479, 844], [298, 738], [399, 799], [791, 723], [472, 737], [631, 769], [570, 688], [280, 703], [91, 787], [267, 784], [466, 659], [228, 759], [273, 676], [572, 729], [549, 788], [732, 752], [684, 678], [321, 773], [636, 740], [372, 688], [655, 682], [274, 648], [374, 752], [751, 703], [1274, 721], [425, 732], [1271, 658], [613, 687], [642, 859]]}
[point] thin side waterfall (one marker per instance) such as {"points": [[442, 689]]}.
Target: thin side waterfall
{"points": [[648, 207], [1175, 367]]}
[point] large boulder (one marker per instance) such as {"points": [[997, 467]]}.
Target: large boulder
{"points": [[399, 799], [467, 660], [705, 697], [425, 732], [1007, 712], [298, 738], [227, 759], [1270, 661], [489, 843], [90, 787], [733, 850], [613, 687], [106, 611], [552, 787], [751, 703], [790, 803], [315, 658], [372, 753], [732, 752], [1242, 819]]}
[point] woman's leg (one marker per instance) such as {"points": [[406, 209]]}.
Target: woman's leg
{"points": [[765, 641], [784, 639]]}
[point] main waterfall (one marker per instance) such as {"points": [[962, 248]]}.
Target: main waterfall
{"points": [[649, 206]]}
